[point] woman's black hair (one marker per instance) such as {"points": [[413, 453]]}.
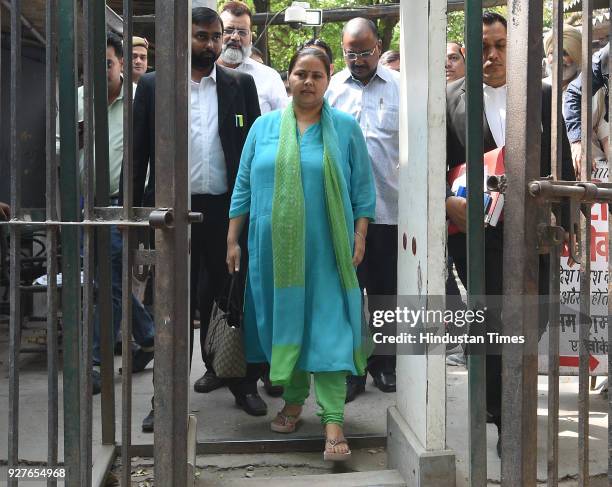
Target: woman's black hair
{"points": [[310, 51], [319, 43]]}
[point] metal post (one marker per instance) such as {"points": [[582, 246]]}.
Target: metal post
{"points": [[88, 246], [103, 264], [555, 255], [172, 34], [609, 157], [52, 302], [15, 236], [523, 141], [585, 247], [475, 238], [71, 287], [126, 298]]}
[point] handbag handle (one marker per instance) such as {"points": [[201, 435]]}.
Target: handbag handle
{"points": [[231, 288]]}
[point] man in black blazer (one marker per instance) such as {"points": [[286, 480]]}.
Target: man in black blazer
{"points": [[224, 105], [494, 76]]}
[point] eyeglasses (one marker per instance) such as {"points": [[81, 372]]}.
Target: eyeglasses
{"points": [[241, 32], [353, 56]]}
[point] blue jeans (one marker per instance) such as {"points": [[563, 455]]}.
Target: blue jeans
{"points": [[143, 326]]}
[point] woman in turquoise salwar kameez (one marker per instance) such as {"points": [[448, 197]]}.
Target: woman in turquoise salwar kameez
{"points": [[306, 183]]}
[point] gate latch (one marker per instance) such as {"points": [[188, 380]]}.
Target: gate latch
{"points": [[164, 218]]}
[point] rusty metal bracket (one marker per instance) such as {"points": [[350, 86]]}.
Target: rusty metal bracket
{"points": [[549, 236], [585, 192], [164, 218]]}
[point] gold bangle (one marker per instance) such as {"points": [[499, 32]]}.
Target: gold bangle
{"points": [[360, 235]]}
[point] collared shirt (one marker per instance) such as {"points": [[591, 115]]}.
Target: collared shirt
{"points": [[270, 87], [495, 111], [208, 170], [376, 108], [115, 139]]}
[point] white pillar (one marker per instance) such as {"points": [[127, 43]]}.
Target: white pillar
{"points": [[417, 424]]}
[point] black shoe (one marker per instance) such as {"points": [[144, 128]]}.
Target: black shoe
{"points": [[118, 348], [147, 423], [252, 404], [96, 382], [140, 360], [355, 385], [271, 390], [208, 382], [384, 381]]}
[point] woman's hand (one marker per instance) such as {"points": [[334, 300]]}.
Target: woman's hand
{"points": [[359, 249], [233, 257]]}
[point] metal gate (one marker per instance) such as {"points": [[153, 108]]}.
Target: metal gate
{"points": [[75, 228], [524, 233], [529, 230]]}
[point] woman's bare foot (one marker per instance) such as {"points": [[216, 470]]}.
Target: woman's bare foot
{"points": [[334, 439], [286, 420], [292, 410]]}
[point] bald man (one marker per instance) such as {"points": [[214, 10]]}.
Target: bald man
{"points": [[370, 92]]}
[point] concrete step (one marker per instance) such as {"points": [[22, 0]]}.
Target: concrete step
{"points": [[377, 478]]}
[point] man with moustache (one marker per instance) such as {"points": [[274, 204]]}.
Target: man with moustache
{"points": [[494, 135], [224, 105], [370, 92], [236, 54]]}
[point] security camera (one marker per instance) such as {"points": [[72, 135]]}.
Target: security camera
{"points": [[300, 14], [295, 15]]}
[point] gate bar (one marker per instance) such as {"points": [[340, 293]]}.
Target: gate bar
{"points": [[103, 266], [15, 237], [556, 138], [609, 157], [475, 238], [523, 140], [585, 258], [51, 214], [88, 246], [127, 255], [171, 372], [71, 282]]}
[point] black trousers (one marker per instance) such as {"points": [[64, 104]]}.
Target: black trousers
{"points": [[494, 273], [210, 278], [377, 274]]}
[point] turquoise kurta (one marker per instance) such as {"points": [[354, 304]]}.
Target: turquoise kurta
{"points": [[322, 322]]}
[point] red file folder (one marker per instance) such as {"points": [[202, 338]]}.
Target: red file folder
{"points": [[493, 165]]}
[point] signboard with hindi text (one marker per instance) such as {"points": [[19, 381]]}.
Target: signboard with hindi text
{"points": [[570, 298]]}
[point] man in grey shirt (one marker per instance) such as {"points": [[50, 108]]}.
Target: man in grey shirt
{"points": [[370, 92]]}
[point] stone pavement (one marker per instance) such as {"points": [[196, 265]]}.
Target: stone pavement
{"points": [[219, 418]]}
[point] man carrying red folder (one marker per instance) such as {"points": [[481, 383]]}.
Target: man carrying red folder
{"points": [[494, 97]]}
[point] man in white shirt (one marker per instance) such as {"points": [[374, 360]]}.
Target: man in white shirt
{"points": [[494, 134], [236, 54], [370, 92], [223, 107]]}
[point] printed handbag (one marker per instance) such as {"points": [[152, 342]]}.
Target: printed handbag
{"points": [[223, 344]]}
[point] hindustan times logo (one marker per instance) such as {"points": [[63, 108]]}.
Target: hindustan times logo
{"points": [[412, 317]]}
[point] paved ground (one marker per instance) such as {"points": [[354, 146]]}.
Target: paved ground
{"points": [[218, 418]]}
